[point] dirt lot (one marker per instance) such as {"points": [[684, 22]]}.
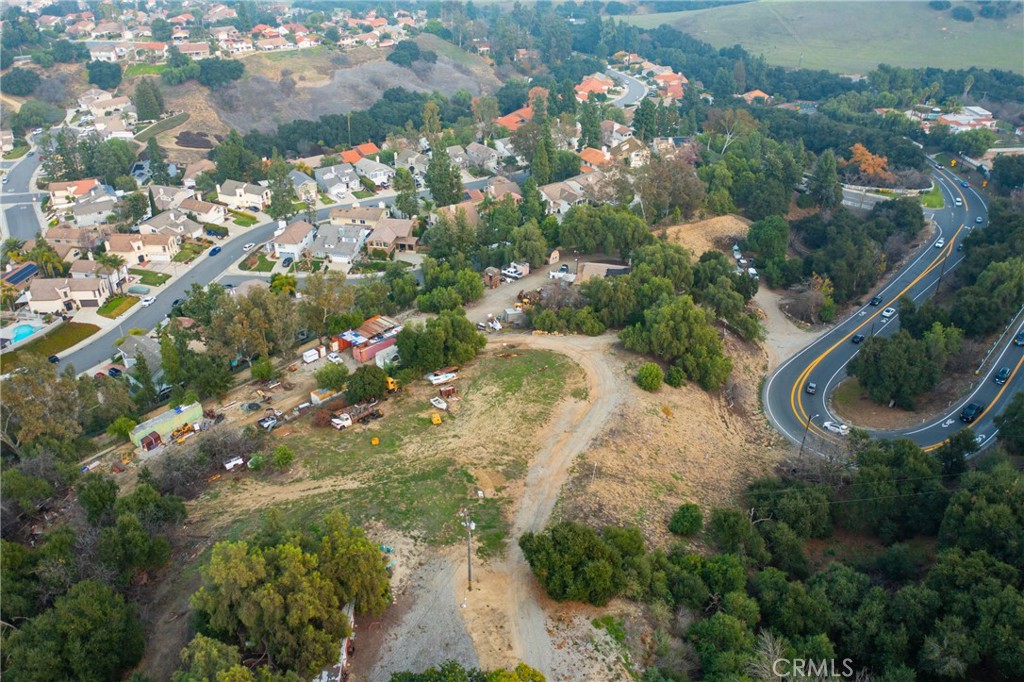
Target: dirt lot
{"points": [[715, 233]]}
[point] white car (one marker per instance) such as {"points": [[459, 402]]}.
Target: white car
{"points": [[249, 247], [148, 301], [335, 358], [939, 244], [837, 428], [888, 312]]}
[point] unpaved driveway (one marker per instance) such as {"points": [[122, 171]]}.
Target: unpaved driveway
{"points": [[505, 613]]}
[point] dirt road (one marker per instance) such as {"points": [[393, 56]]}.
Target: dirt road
{"points": [[505, 614]]}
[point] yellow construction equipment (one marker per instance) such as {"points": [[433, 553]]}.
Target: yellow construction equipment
{"points": [[435, 418], [392, 385]]}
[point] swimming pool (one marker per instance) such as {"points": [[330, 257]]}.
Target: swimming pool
{"points": [[23, 331]]}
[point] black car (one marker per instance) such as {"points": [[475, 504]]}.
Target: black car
{"points": [[971, 412], [857, 338], [1019, 339], [54, 359], [877, 300], [114, 372], [176, 302], [287, 262], [1002, 375]]}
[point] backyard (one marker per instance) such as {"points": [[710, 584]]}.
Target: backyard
{"points": [[313, 265], [161, 126], [149, 278], [117, 306], [60, 339], [134, 70]]}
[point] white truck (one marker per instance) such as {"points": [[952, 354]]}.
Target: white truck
{"points": [[353, 414]]}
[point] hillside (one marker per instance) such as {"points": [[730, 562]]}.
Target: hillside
{"points": [[853, 37]]}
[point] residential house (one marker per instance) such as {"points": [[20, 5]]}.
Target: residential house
{"points": [[968, 118], [367, 149], [204, 211], [6, 140], [134, 347], [482, 156], [469, 208], [392, 234], [220, 12], [631, 152], [108, 53], [337, 180], [756, 96], [110, 105], [243, 195], [505, 149], [89, 268], [139, 248], [458, 156], [115, 126], [272, 44], [351, 156], [294, 240], [595, 158], [87, 240], [64, 294], [110, 30], [498, 188], [594, 84], [91, 96], [378, 173], [193, 170], [172, 223], [515, 120], [561, 196], [195, 50], [305, 186], [94, 209], [613, 133], [166, 196], [339, 243], [415, 162], [358, 216], [65, 194]]}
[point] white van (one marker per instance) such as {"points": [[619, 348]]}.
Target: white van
{"points": [[311, 355]]}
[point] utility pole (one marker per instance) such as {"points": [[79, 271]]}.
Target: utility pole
{"points": [[807, 427], [468, 523]]}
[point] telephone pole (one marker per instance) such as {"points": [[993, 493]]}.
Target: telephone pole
{"points": [[469, 525], [806, 429]]}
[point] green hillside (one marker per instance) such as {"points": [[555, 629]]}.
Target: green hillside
{"points": [[854, 37]]}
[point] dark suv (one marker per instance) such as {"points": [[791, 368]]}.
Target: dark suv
{"points": [[1019, 339], [1002, 375], [971, 412]]}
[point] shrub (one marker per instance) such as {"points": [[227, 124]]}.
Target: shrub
{"points": [[687, 520], [649, 377], [962, 14], [675, 377], [322, 417]]}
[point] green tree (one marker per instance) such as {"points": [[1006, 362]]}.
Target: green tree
{"points": [[128, 548], [540, 164], [20, 82], [650, 376], [407, 200], [148, 100], [282, 457], [161, 30], [645, 119], [91, 634], [97, 494], [572, 562], [823, 184], [332, 376], [263, 369], [687, 520], [132, 208], [896, 369], [367, 382], [443, 179], [1011, 425], [104, 74], [282, 191], [157, 162], [352, 564], [448, 339], [121, 427]]}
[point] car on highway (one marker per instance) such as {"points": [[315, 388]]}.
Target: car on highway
{"points": [[811, 388], [858, 338], [1019, 339], [940, 243], [837, 428], [249, 247], [31, 152], [964, 183], [971, 412], [4, 181], [1001, 376], [979, 220], [960, 246], [147, 301], [214, 251], [888, 313], [876, 300], [957, 201]]}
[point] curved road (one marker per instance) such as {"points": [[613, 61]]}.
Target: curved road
{"points": [[796, 413]]}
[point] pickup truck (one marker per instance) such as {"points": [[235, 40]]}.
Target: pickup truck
{"points": [[361, 414]]}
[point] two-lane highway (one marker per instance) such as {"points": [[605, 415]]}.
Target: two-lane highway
{"points": [[17, 199], [795, 411]]}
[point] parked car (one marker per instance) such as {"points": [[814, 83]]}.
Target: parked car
{"points": [[287, 262], [971, 412], [876, 300], [214, 251], [888, 313], [1002, 375], [114, 372], [811, 388], [147, 301], [268, 423], [54, 359], [335, 358], [858, 338]]}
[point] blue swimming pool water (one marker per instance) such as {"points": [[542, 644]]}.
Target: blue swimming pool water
{"points": [[22, 331]]}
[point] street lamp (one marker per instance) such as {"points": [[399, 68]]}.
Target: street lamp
{"points": [[807, 427], [470, 527]]}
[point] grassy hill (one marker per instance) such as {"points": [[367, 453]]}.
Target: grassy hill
{"points": [[853, 37]]}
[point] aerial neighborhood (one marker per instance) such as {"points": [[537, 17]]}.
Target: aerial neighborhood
{"points": [[422, 340]]}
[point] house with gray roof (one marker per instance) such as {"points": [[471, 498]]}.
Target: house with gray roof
{"points": [[377, 172], [339, 243], [337, 180], [305, 186]]}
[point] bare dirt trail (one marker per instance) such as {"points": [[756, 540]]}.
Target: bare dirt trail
{"points": [[505, 613]]}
